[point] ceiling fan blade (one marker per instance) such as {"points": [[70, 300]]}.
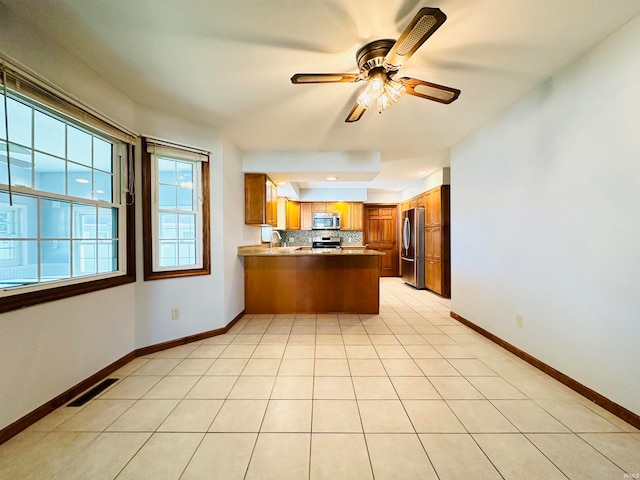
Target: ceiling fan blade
{"points": [[300, 78], [430, 91], [423, 25], [356, 112]]}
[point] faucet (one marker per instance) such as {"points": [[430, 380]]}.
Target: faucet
{"points": [[271, 240]]}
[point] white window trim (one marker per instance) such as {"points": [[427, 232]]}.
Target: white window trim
{"points": [[155, 210]]}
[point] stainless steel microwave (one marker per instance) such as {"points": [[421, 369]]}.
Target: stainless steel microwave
{"points": [[325, 221]]}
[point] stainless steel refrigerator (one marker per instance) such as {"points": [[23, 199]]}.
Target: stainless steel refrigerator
{"points": [[413, 247]]}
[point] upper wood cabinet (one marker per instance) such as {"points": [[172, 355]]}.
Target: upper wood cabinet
{"points": [[350, 213], [260, 200], [433, 206], [319, 207], [288, 214], [293, 215], [305, 216], [351, 216]]}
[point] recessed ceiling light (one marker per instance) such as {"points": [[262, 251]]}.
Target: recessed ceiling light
{"points": [[422, 173], [82, 180], [332, 179], [282, 183]]}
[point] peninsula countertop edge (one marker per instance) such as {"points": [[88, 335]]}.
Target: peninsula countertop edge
{"points": [[301, 251]]}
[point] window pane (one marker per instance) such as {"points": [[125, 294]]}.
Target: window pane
{"points": [[168, 226], [107, 223], [102, 155], [103, 186], [50, 174], [55, 219], [19, 259], [167, 197], [56, 260], [19, 122], [20, 165], [185, 198], [187, 253], [49, 134], [79, 181], [107, 256], [19, 220], [85, 221], [168, 255], [187, 226], [78, 146], [85, 257], [185, 174], [166, 171]]}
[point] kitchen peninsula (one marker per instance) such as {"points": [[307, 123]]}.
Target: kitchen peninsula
{"points": [[307, 280]]}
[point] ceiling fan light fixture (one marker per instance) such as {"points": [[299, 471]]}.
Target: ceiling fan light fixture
{"points": [[395, 90], [384, 102]]}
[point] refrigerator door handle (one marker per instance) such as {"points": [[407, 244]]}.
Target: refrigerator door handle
{"points": [[406, 234]]}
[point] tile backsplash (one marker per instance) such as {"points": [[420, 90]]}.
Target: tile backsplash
{"points": [[304, 237]]}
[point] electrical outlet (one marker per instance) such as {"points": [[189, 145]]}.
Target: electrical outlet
{"points": [[519, 320], [175, 314]]}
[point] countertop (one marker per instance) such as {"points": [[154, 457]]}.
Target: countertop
{"points": [[266, 251]]}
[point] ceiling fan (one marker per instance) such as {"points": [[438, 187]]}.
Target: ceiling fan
{"points": [[380, 60]]}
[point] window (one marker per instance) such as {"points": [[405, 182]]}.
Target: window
{"points": [[176, 210], [63, 206]]}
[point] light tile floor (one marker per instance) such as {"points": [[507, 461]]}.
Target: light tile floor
{"points": [[406, 394]]}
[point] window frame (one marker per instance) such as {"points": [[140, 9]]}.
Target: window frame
{"points": [[27, 295], [149, 209]]}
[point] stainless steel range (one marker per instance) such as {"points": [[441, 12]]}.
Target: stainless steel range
{"points": [[326, 242]]}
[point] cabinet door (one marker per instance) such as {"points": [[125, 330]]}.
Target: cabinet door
{"points": [[433, 242], [356, 215], [433, 206], [433, 275], [305, 216], [271, 203], [293, 215], [334, 207], [318, 207], [255, 198]]}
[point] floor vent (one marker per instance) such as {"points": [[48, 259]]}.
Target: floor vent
{"points": [[101, 387]]}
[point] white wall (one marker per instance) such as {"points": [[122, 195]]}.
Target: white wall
{"points": [[46, 349], [49, 348], [545, 221], [441, 176], [235, 232]]}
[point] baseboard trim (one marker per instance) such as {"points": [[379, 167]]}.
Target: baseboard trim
{"points": [[43, 410], [599, 399]]}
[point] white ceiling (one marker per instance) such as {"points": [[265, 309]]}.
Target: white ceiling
{"points": [[228, 63]]}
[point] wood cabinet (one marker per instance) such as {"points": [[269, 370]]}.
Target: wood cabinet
{"points": [[306, 209], [288, 214], [351, 216], [293, 215], [319, 207], [260, 200], [350, 213], [437, 241], [433, 206]]}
